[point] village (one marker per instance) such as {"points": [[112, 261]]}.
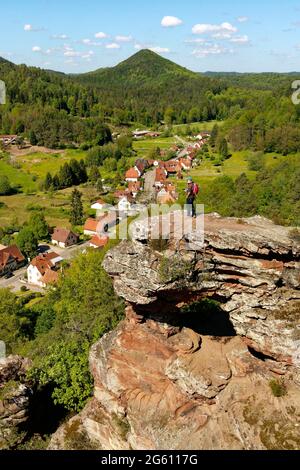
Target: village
{"points": [[148, 181]]}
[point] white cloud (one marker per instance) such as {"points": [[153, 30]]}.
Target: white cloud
{"points": [[212, 49], [243, 19], [123, 38], [205, 28], [59, 36], [71, 53], [195, 41], [49, 51], [138, 47], [101, 35], [159, 50], [89, 42], [240, 39], [113, 45], [30, 29], [170, 21], [222, 35]]}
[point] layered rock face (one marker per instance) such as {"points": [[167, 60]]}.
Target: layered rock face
{"points": [[162, 384], [15, 393]]}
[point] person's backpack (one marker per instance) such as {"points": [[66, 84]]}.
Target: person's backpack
{"points": [[195, 189]]}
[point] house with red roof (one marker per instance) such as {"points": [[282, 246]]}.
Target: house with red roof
{"points": [[186, 164], [11, 259], [135, 188], [132, 175], [160, 177], [98, 241], [64, 238], [100, 205], [90, 226], [172, 167], [43, 269]]}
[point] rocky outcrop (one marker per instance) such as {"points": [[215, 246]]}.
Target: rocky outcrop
{"points": [[162, 383], [251, 266], [15, 393]]}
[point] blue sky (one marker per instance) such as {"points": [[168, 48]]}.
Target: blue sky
{"points": [[83, 35]]}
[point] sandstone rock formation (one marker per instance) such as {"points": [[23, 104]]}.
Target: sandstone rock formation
{"points": [[160, 384], [15, 393]]}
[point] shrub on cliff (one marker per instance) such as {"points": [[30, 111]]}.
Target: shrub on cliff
{"points": [[70, 319]]}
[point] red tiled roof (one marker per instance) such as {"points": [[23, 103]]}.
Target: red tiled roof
{"points": [[91, 225], [44, 261], [62, 235], [50, 277], [186, 162], [100, 201], [140, 167], [132, 173], [134, 187], [99, 241], [121, 193], [172, 166], [10, 251], [160, 175]]}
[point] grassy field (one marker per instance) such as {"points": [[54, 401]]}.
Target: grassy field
{"points": [[206, 172], [28, 171], [142, 147], [38, 164], [17, 177], [198, 126], [55, 206]]}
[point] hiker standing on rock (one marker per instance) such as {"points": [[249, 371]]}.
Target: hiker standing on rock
{"points": [[191, 194]]}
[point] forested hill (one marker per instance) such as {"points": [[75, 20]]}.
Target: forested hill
{"points": [[279, 83], [146, 84], [48, 107], [55, 109]]}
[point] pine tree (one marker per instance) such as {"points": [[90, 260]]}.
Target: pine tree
{"points": [[76, 208], [99, 186], [223, 148], [32, 138], [65, 176], [56, 182], [214, 135], [94, 174], [48, 182]]}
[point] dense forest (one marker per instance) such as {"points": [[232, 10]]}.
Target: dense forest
{"points": [[57, 110], [274, 193]]}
